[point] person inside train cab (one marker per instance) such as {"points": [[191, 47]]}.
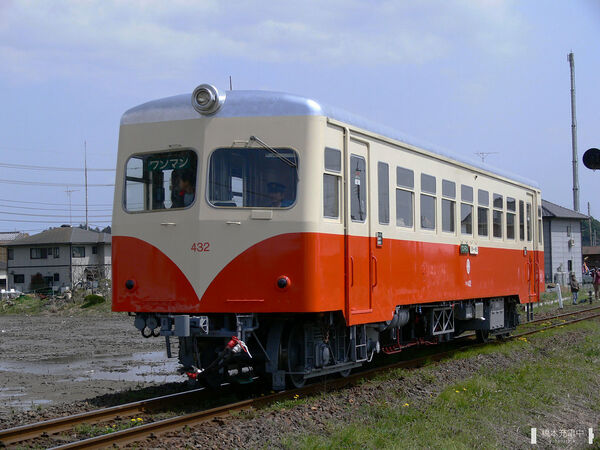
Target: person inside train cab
{"points": [[184, 195], [276, 193]]}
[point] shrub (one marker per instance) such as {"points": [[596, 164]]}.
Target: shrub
{"points": [[92, 299]]}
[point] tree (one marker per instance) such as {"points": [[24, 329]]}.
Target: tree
{"points": [[585, 232]]}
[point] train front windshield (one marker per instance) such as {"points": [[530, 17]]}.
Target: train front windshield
{"points": [[253, 178], [158, 181]]}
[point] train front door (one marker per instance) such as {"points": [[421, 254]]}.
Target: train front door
{"points": [[532, 245], [358, 242]]}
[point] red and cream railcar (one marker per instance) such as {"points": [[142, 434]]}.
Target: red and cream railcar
{"points": [[311, 235]]}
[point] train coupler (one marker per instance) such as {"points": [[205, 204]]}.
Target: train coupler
{"points": [[235, 348]]}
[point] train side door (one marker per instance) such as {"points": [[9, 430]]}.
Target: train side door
{"points": [[532, 246], [358, 251]]}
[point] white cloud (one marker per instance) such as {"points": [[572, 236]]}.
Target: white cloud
{"points": [[158, 39]]}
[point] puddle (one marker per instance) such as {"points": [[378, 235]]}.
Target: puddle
{"points": [[144, 367]]}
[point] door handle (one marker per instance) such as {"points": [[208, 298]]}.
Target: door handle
{"points": [[351, 271], [167, 224], [376, 275]]}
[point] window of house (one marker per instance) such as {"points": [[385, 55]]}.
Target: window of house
{"points": [[529, 233], [94, 250], [448, 206], [56, 277], [428, 191], [511, 207], [10, 253], [253, 178], [19, 279], [56, 252], [521, 220], [569, 230], [331, 183], [383, 188], [466, 209], [78, 252], [38, 253], [358, 188], [405, 182], [157, 181], [497, 214], [570, 265], [483, 201]]}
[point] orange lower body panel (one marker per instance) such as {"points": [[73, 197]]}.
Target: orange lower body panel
{"points": [[326, 273]]}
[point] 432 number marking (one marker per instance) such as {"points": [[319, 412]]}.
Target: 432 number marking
{"points": [[200, 247]]}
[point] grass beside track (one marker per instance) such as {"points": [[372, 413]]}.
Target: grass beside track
{"points": [[34, 305], [555, 389]]}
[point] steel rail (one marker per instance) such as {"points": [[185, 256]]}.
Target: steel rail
{"points": [[25, 432], [581, 311], [51, 426]]}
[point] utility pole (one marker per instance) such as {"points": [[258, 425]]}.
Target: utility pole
{"points": [[86, 183], [571, 60], [590, 223], [69, 192]]}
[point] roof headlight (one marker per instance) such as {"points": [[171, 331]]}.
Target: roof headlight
{"points": [[206, 99]]}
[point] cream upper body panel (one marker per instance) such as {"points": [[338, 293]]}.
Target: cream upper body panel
{"points": [[291, 122]]}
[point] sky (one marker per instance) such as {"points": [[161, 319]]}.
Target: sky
{"points": [[467, 75]]}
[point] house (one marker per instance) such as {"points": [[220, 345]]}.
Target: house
{"points": [[58, 258], [562, 242], [5, 238]]}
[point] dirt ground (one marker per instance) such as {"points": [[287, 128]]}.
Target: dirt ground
{"points": [[47, 360]]}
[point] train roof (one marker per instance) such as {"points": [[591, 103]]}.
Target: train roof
{"points": [[269, 104]]}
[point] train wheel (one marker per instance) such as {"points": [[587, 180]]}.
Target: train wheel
{"points": [[482, 335], [295, 355]]}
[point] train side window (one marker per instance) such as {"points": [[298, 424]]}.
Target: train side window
{"points": [[497, 214], [428, 186], [383, 188], [331, 183], [529, 230], [405, 181], [511, 207], [448, 206], [333, 160], [521, 220], [483, 200], [358, 189], [157, 181], [466, 209]]}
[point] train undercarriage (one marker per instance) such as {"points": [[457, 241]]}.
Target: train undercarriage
{"points": [[289, 350]]}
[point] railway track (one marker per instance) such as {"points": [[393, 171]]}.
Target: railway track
{"points": [[53, 426]]}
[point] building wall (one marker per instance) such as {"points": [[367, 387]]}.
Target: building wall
{"points": [[69, 269], [560, 250]]}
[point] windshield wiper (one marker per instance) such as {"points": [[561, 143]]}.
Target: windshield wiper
{"points": [[288, 161]]}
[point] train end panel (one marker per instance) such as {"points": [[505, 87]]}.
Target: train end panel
{"points": [[289, 273]]}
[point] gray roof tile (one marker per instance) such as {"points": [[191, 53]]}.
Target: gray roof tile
{"points": [[552, 210]]}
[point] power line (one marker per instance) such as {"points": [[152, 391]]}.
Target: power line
{"points": [[43, 215], [56, 169], [42, 183], [51, 204], [45, 221], [38, 208]]}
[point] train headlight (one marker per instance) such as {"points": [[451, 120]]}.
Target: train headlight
{"points": [[206, 99]]}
